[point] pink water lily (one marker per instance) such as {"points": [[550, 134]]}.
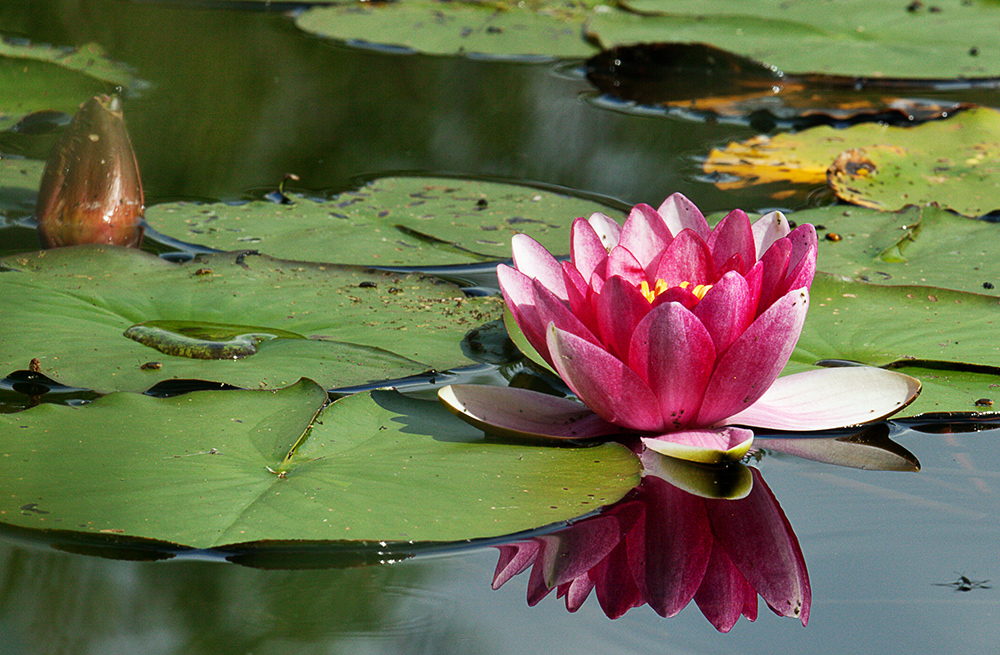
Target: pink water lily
{"points": [[677, 331]]}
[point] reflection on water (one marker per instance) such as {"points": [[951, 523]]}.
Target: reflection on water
{"points": [[664, 547]]}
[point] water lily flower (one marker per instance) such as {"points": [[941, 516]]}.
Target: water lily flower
{"points": [[665, 546], [90, 190], [671, 329]]}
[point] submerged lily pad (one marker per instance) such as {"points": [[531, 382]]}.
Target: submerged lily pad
{"points": [[395, 221], [71, 309], [217, 468], [870, 38], [42, 77], [540, 28]]}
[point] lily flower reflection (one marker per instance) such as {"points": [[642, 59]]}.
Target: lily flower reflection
{"points": [[676, 331], [664, 546]]}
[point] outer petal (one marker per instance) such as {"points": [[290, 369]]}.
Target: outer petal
{"points": [[753, 362], [523, 414], [519, 294], [619, 308], [607, 229], [579, 297], [586, 248], [724, 593], [616, 588], [830, 398], [603, 382], [622, 262], [532, 259], [768, 229], [680, 214], [762, 545], [705, 446], [673, 352], [727, 310], [733, 236], [514, 559], [552, 309], [687, 259], [646, 236]]}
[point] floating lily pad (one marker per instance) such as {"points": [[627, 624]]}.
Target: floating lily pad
{"points": [[45, 78], [71, 308], [217, 468], [537, 28], [918, 245], [395, 221], [869, 38], [19, 181]]}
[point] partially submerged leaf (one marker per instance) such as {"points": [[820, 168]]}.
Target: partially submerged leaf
{"points": [[394, 221], [218, 468], [870, 449], [71, 308]]}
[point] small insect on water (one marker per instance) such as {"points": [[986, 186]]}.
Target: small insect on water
{"points": [[151, 366], [964, 583]]}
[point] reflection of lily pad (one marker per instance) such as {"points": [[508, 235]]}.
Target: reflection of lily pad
{"points": [[40, 77], [537, 27], [70, 307], [216, 468], [399, 221], [875, 38]]}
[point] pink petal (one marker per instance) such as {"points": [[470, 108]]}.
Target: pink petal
{"points": [[673, 352], [680, 214], [761, 544], [645, 235], [608, 230], [523, 414], [686, 259], [617, 591], [716, 446], [619, 308], [576, 592], [768, 229], [733, 236], [579, 297], [677, 546], [514, 559], [774, 265], [554, 310], [570, 553], [586, 248], [724, 593], [532, 259], [829, 398], [603, 382], [622, 262], [755, 359], [727, 310], [519, 294]]}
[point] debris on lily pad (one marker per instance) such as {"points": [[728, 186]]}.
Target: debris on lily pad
{"points": [[392, 221]]}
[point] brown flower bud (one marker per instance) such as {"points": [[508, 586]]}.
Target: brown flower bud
{"points": [[91, 191]]}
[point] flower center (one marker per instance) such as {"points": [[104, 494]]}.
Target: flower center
{"points": [[699, 290]]}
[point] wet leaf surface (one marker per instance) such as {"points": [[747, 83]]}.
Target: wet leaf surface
{"points": [[217, 468], [393, 221], [70, 309]]}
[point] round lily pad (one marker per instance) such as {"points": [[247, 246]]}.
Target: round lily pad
{"points": [[217, 468], [119, 319]]}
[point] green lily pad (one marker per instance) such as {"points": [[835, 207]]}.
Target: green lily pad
{"points": [[217, 468], [395, 221], [19, 182], [954, 164], [873, 38], [42, 77], [71, 308], [540, 28], [915, 246], [914, 329]]}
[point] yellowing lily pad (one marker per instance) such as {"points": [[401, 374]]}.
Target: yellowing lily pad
{"points": [[118, 319], [218, 468], [395, 221]]}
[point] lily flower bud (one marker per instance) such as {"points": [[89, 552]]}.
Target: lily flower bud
{"points": [[91, 191]]}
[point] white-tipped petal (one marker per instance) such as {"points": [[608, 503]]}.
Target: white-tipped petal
{"points": [[710, 446]]}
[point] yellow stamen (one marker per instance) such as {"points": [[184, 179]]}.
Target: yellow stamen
{"points": [[699, 290]]}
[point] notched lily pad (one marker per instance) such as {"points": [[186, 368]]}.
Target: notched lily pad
{"points": [[215, 469], [395, 221], [71, 309]]}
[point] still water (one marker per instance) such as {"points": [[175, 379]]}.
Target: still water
{"points": [[233, 102]]}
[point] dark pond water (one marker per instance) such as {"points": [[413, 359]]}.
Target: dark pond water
{"points": [[236, 100]]}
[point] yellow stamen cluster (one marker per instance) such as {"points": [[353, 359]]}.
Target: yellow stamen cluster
{"points": [[699, 290]]}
